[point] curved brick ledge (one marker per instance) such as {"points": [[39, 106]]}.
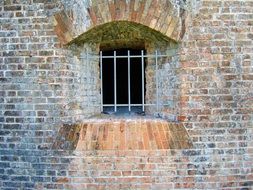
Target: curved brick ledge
{"points": [[123, 134]]}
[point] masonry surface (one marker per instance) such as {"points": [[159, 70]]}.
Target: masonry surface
{"points": [[48, 93]]}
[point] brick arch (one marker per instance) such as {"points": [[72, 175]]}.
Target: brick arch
{"points": [[159, 15]]}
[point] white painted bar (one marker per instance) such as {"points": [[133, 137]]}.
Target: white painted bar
{"points": [[156, 79], [115, 82], [129, 80], [142, 78], [125, 56], [87, 74], [126, 105], [101, 79]]}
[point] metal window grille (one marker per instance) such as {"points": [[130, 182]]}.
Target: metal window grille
{"points": [[155, 56]]}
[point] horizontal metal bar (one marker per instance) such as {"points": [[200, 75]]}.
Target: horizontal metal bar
{"points": [[125, 56], [106, 105]]}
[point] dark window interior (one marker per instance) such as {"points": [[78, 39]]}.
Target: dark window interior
{"points": [[122, 78]]}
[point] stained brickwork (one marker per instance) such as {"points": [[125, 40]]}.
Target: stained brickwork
{"points": [[123, 134], [40, 79]]}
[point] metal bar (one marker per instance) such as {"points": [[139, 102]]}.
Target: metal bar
{"points": [[87, 60], [142, 78], [101, 79], [129, 85], [156, 79], [126, 105], [125, 56], [115, 82], [87, 74]]}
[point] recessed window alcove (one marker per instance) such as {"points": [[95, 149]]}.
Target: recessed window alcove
{"points": [[128, 77], [157, 53]]}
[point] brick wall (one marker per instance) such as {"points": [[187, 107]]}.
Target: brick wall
{"points": [[40, 77]]}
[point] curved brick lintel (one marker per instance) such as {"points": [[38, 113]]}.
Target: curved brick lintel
{"points": [[123, 134], [158, 15]]}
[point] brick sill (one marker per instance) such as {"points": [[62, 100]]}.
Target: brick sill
{"points": [[122, 133]]}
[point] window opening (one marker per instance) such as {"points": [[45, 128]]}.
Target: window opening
{"points": [[119, 103], [123, 81]]}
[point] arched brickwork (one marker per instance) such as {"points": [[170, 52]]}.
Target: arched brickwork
{"points": [[159, 15]]}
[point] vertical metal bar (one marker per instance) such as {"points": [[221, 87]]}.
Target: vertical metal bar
{"points": [[142, 78], [87, 64], [87, 76], [129, 85], [101, 79], [156, 79], [115, 82]]}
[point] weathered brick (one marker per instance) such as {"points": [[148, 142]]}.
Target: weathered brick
{"points": [[12, 113], [12, 8], [206, 86]]}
